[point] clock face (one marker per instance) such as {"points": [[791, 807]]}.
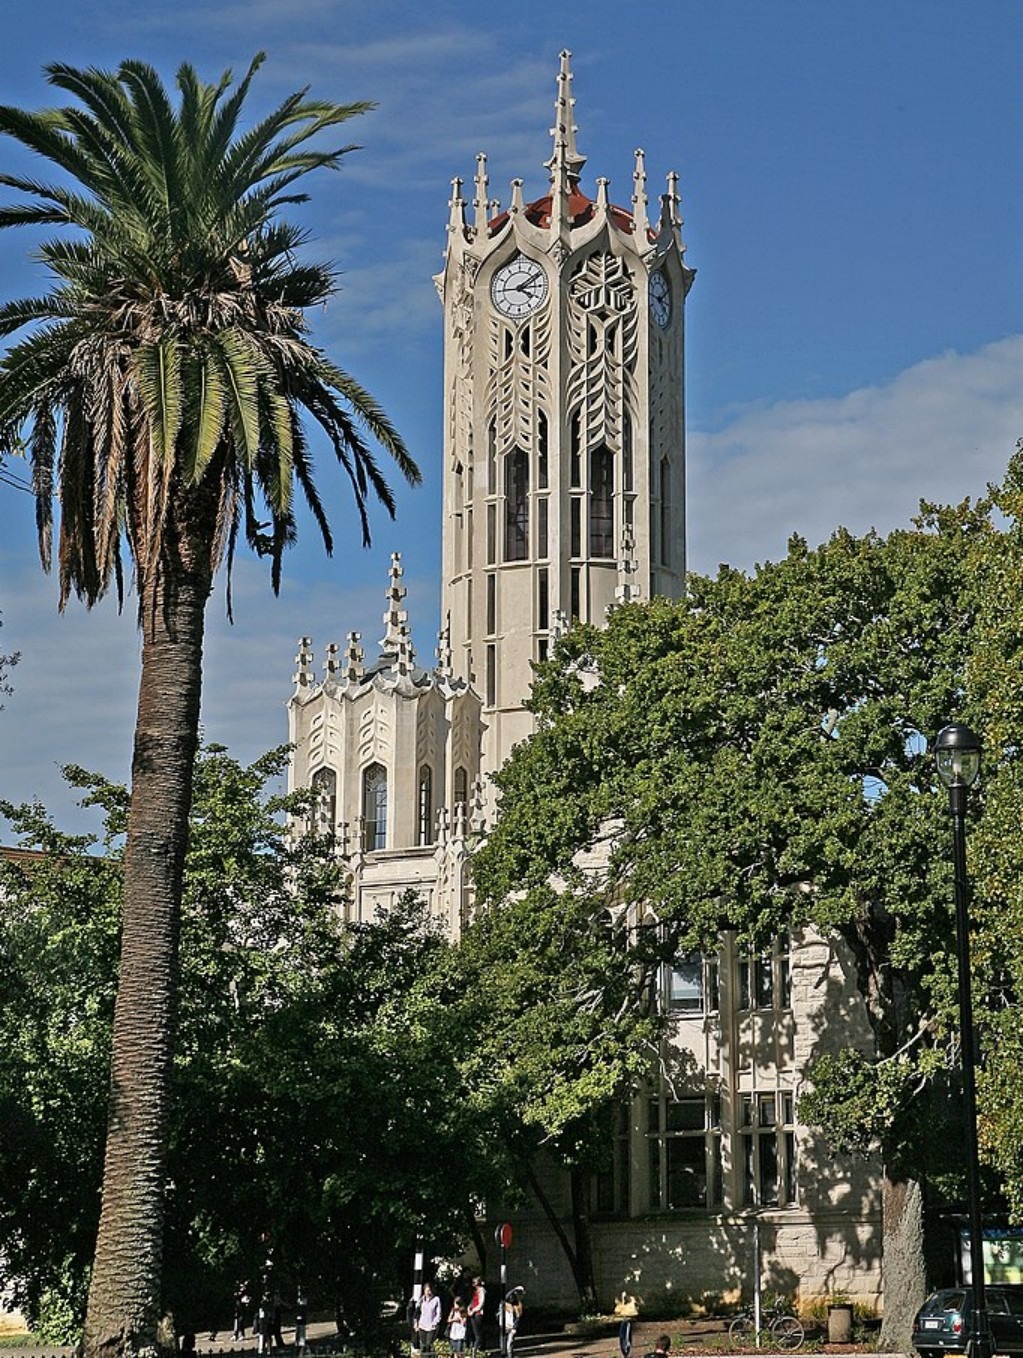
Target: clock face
{"points": [[660, 299], [519, 287]]}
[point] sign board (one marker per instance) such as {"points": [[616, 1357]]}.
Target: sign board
{"points": [[503, 1235], [1003, 1254]]}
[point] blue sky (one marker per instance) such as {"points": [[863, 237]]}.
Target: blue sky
{"points": [[852, 180]]}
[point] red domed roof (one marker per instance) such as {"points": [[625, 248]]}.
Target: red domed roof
{"points": [[580, 211]]}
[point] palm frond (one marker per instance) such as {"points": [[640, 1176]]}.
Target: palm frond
{"points": [[239, 363], [206, 394], [170, 364], [156, 369]]}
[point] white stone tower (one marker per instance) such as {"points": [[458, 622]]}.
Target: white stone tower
{"points": [[564, 446]]}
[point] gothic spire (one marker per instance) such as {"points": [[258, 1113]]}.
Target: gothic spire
{"points": [[566, 163], [395, 638], [456, 207], [639, 198], [304, 661], [354, 656], [481, 200], [330, 662]]}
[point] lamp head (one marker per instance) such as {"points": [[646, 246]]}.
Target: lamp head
{"points": [[957, 753]]}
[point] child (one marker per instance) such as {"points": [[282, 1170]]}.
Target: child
{"points": [[457, 1322]]}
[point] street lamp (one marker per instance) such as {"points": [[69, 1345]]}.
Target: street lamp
{"points": [[957, 752]]}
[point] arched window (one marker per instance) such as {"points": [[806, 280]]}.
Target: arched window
{"points": [[426, 805], [374, 807], [665, 489], [324, 784], [461, 786], [602, 512], [516, 506]]}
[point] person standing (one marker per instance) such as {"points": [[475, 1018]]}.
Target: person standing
{"points": [[429, 1320], [458, 1323], [477, 1302], [512, 1316], [242, 1304]]}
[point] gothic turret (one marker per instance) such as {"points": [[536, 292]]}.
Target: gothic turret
{"points": [[564, 422], [392, 751]]}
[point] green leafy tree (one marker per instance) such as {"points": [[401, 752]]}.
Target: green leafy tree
{"points": [[995, 846], [553, 1036], [161, 393], [318, 1116], [755, 758]]}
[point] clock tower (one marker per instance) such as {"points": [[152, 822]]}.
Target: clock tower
{"points": [[564, 440]]}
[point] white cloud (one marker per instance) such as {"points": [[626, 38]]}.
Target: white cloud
{"points": [[940, 431]]}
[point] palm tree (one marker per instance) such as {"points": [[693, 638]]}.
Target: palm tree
{"points": [[161, 392]]}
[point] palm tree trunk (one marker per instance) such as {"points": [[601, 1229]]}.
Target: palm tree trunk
{"points": [[124, 1294]]}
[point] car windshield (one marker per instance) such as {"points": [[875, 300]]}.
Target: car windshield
{"points": [[944, 1301]]}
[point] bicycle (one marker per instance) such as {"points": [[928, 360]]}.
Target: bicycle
{"points": [[778, 1327]]}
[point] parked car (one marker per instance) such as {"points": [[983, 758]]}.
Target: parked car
{"points": [[944, 1322]]}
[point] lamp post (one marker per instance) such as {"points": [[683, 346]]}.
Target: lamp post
{"points": [[957, 752]]}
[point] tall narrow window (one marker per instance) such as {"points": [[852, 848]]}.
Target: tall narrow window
{"points": [[575, 465], [684, 1138], [765, 981], [325, 811], [491, 534], [627, 483], [516, 506], [541, 526], [426, 805], [769, 1149], [602, 513], [543, 610], [612, 1178], [374, 807], [491, 458], [575, 593], [491, 680], [665, 489], [575, 530], [541, 451], [461, 785], [491, 604]]}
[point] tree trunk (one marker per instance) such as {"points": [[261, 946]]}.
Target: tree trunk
{"points": [[583, 1285], [478, 1240], [902, 1221], [902, 1262], [124, 1294], [585, 1279]]}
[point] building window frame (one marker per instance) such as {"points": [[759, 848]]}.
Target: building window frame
{"points": [[602, 503], [324, 785], [764, 980], [767, 1135], [692, 985], [374, 807], [425, 806], [685, 1157], [516, 506]]}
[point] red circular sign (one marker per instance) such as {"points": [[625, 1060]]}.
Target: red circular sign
{"points": [[503, 1235]]}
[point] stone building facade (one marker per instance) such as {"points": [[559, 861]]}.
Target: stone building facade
{"points": [[564, 494]]}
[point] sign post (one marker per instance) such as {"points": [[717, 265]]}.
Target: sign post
{"points": [[503, 1238]]}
